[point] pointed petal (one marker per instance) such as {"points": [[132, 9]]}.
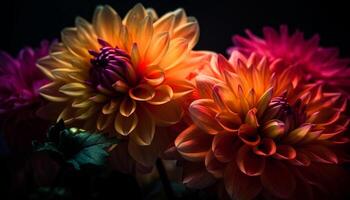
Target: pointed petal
{"points": [[250, 163]]}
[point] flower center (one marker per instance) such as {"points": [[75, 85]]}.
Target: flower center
{"points": [[110, 67], [291, 115]]}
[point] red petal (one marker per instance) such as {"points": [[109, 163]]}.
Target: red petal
{"points": [[285, 152], [213, 165], [250, 163], [278, 179], [240, 186], [224, 145], [267, 147]]}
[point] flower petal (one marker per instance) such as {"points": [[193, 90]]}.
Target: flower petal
{"points": [[248, 135], [267, 147], [228, 120], [143, 133], [273, 128], [166, 114], [125, 125], [142, 92], [224, 145], [250, 163], [297, 134], [285, 152], [127, 107], [239, 185], [163, 94], [203, 112], [278, 179], [193, 144], [213, 165]]}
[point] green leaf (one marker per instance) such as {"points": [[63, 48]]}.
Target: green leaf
{"points": [[76, 146]]}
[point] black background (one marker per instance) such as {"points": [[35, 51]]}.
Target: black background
{"points": [[27, 22]]}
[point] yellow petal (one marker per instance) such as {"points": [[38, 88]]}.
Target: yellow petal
{"points": [[142, 92], [144, 34], [73, 89], [264, 101], [156, 51], [163, 94], [297, 134], [107, 24], [125, 125], [46, 64], [70, 40], [165, 23], [144, 131], [127, 107], [177, 51], [273, 128], [134, 17], [104, 121], [50, 92], [110, 107]]}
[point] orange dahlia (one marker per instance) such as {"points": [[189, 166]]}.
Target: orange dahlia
{"points": [[124, 76], [315, 63], [264, 133]]}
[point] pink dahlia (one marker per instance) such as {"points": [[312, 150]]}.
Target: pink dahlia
{"points": [[19, 96], [315, 63]]}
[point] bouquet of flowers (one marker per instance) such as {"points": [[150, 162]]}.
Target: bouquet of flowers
{"points": [[129, 98]]}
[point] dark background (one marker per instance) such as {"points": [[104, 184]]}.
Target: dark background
{"points": [[27, 22]]}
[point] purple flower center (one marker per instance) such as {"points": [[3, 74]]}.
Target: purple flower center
{"points": [[109, 65], [292, 115]]}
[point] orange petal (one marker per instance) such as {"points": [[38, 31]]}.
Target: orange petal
{"points": [[239, 185], [127, 107], [228, 120], [250, 163], [166, 114], [193, 144], [248, 135], [189, 30], [205, 85], [125, 125], [163, 94], [203, 112], [213, 165], [178, 50], [278, 179], [144, 131], [224, 145], [225, 98], [142, 92], [154, 77], [156, 51]]}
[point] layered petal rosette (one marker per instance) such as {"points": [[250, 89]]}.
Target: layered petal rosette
{"points": [[315, 63], [124, 76], [20, 99], [264, 133]]}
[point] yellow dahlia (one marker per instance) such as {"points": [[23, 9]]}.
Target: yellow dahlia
{"points": [[124, 76], [263, 133]]}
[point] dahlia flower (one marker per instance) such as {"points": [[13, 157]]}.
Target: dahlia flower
{"points": [[315, 63], [124, 76], [264, 133], [19, 96]]}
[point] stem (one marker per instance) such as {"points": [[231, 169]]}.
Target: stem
{"points": [[165, 180]]}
